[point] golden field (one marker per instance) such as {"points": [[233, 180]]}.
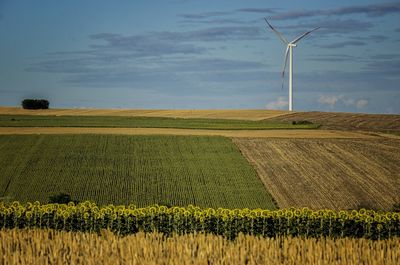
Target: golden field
{"points": [[206, 114], [57, 247], [270, 133]]}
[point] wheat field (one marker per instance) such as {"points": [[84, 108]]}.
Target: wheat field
{"points": [[58, 247]]}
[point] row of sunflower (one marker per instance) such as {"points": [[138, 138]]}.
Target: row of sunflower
{"points": [[124, 220]]}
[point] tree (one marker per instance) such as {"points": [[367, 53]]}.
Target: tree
{"points": [[35, 104], [62, 198]]}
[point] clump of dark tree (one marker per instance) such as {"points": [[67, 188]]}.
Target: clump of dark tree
{"points": [[301, 122], [35, 104], [62, 198]]}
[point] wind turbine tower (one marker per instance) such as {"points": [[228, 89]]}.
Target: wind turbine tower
{"points": [[289, 51]]}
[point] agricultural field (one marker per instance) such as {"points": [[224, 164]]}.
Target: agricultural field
{"points": [[188, 114], [230, 223], [144, 122], [292, 133], [389, 123], [154, 174], [327, 173], [143, 170], [60, 247]]}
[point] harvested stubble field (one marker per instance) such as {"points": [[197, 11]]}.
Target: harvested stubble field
{"points": [[327, 173], [57, 247], [173, 170], [346, 121], [205, 114]]}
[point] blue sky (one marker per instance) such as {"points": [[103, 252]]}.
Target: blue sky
{"points": [[210, 54]]}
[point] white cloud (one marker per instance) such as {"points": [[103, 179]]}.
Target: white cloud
{"points": [[333, 100], [348, 101], [280, 103], [361, 103], [330, 100]]}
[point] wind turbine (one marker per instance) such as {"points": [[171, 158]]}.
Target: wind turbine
{"points": [[289, 50]]}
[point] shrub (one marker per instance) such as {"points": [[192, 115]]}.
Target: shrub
{"points": [[302, 122], [62, 198], [35, 104]]}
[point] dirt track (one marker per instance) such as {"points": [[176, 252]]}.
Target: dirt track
{"points": [[327, 173], [227, 133]]}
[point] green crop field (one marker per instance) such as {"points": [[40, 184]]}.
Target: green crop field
{"points": [[144, 170], [144, 122]]}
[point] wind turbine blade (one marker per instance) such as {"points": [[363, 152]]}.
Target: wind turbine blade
{"points": [[280, 36], [284, 65], [302, 36]]}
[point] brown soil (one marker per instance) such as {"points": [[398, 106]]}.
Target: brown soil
{"points": [[327, 173]]}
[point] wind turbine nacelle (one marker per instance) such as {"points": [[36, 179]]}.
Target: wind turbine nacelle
{"points": [[292, 45]]}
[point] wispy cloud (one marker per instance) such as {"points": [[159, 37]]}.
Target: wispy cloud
{"points": [[257, 10], [361, 103], [333, 100], [374, 38], [330, 100], [110, 49], [154, 44], [273, 13], [95, 69], [385, 66], [329, 26], [219, 21], [279, 103], [117, 59], [216, 18], [215, 64], [370, 10], [334, 58], [385, 56], [204, 15], [166, 39], [342, 44]]}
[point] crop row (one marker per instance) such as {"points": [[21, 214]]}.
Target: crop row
{"points": [[174, 170], [124, 220], [146, 122]]}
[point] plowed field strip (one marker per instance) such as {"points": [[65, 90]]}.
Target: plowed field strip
{"points": [[346, 121], [166, 131], [327, 173]]}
